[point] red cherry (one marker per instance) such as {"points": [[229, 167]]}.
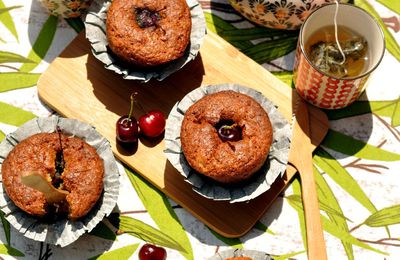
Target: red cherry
{"points": [[152, 124], [127, 126], [152, 252], [127, 129], [229, 131]]}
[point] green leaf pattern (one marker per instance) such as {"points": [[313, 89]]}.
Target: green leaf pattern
{"points": [[264, 228], [287, 256], [332, 168], [6, 57], [76, 24], [285, 76], [323, 206], [103, 231], [8, 250], [17, 80], [42, 44], [299, 208], [121, 253], [233, 242], [168, 230], [161, 212], [353, 147], [6, 227], [145, 232], [393, 5], [384, 217], [13, 115], [328, 225], [327, 197], [391, 44], [6, 20], [382, 108], [279, 43]]}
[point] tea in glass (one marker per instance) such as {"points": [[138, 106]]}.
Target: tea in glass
{"points": [[325, 54]]}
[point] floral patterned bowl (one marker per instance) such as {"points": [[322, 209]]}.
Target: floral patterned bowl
{"points": [[278, 14], [66, 8]]}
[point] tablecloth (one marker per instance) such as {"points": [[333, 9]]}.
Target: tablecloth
{"points": [[357, 166]]}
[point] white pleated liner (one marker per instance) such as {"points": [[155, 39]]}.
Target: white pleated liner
{"points": [[63, 232], [253, 254], [95, 24], [274, 166]]}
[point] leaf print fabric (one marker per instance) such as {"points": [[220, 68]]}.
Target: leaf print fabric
{"points": [[357, 178]]}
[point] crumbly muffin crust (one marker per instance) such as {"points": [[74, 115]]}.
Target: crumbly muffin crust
{"points": [[229, 161], [82, 175], [153, 45]]}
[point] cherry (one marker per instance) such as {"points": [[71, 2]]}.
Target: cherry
{"points": [[152, 252], [146, 18], [127, 127], [152, 124], [229, 131]]}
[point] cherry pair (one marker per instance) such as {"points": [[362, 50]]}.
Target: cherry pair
{"points": [[152, 124]]}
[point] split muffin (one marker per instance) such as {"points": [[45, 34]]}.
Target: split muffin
{"points": [[68, 163]]}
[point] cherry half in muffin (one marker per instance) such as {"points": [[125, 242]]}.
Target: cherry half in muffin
{"points": [[146, 18], [228, 130]]}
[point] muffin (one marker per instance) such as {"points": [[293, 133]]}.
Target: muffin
{"points": [[69, 163], [226, 136], [148, 33]]}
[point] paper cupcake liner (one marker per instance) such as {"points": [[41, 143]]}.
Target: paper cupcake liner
{"points": [[253, 254], [274, 166], [95, 24], [62, 232]]}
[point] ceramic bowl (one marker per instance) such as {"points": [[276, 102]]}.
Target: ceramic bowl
{"points": [[66, 8], [277, 14]]}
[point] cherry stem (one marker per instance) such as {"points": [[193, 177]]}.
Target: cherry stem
{"points": [[229, 126], [131, 108]]}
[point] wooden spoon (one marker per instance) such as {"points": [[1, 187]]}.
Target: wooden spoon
{"points": [[39, 182], [301, 157]]}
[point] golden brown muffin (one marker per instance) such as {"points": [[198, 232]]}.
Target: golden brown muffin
{"points": [[226, 161], [148, 32], [82, 175]]}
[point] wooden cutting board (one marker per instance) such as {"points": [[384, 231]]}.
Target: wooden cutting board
{"points": [[78, 86]]}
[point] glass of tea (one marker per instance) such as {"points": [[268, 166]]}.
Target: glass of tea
{"points": [[331, 68]]}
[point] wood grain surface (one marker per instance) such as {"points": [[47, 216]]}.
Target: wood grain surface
{"points": [[78, 86], [301, 157]]}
